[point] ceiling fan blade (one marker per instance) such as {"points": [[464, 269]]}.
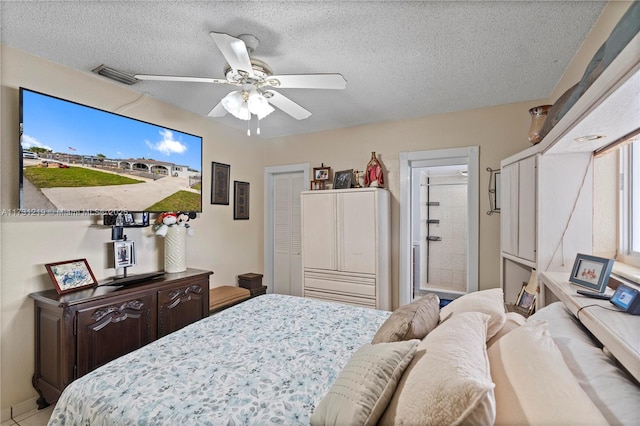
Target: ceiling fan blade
{"points": [[308, 81], [234, 51], [287, 105], [217, 111], [179, 78]]}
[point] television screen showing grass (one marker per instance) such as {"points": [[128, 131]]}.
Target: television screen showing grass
{"points": [[79, 159]]}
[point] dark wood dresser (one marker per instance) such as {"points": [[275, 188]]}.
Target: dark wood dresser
{"points": [[78, 332]]}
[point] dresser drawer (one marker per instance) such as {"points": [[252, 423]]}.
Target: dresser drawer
{"points": [[358, 285], [341, 298]]}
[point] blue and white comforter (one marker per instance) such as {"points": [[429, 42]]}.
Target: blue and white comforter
{"points": [[266, 361]]}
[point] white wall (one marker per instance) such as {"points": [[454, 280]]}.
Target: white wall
{"points": [[220, 244]]}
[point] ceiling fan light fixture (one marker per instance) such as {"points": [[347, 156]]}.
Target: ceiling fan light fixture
{"points": [[259, 105], [235, 103]]}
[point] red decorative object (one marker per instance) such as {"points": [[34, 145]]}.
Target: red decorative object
{"points": [[374, 176]]}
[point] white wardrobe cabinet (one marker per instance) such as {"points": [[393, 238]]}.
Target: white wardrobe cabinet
{"points": [[546, 215], [518, 233], [345, 246]]}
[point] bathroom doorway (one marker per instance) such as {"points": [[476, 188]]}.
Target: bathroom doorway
{"points": [[439, 218], [439, 230]]}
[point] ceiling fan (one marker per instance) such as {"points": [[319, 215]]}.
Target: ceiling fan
{"points": [[255, 81]]}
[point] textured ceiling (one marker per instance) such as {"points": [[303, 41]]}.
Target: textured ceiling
{"points": [[400, 59]]}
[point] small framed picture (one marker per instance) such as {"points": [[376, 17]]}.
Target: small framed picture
{"points": [[124, 254], [526, 301], [220, 183], [241, 200], [343, 179], [71, 275], [591, 272], [322, 173]]}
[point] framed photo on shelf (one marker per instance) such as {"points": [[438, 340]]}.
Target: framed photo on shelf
{"points": [[591, 272], [343, 179], [220, 183], [124, 254], [526, 302], [71, 275], [241, 200], [322, 173]]}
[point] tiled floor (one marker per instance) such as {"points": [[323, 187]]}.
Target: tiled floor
{"points": [[32, 418]]}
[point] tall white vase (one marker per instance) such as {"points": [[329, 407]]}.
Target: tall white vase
{"points": [[175, 249]]}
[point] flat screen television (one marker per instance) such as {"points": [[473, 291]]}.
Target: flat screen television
{"points": [[78, 159]]}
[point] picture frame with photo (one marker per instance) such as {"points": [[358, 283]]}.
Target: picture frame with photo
{"points": [[526, 301], [343, 179], [71, 275], [322, 173], [124, 254], [241, 200], [220, 174], [591, 272]]}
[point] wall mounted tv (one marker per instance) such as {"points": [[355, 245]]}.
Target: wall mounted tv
{"points": [[83, 160]]}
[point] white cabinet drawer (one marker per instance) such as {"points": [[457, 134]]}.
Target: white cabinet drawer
{"points": [[342, 284], [351, 300]]}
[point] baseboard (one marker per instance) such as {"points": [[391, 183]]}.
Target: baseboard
{"points": [[19, 409]]}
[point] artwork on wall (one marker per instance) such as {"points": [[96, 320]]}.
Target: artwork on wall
{"points": [[71, 275], [241, 200], [220, 183]]}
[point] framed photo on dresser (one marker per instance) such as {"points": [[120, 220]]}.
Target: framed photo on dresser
{"points": [[71, 275]]}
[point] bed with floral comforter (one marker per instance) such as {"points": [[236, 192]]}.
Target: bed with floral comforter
{"points": [[268, 360]]}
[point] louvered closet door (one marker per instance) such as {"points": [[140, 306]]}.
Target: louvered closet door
{"points": [[287, 259]]}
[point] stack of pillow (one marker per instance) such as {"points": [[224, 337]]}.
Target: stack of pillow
{"points": [[469, 362]]}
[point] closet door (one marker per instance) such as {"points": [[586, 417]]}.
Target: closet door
{"points": [[319, 230], [287, 272], [357, 232]]}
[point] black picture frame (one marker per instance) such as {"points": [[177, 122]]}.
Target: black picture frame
{"points": [[220, 173], [591, 272], [71, 275], [241, 200], [343, 179]]}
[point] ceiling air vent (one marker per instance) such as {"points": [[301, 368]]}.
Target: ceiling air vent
{"points": [[116, 75]]}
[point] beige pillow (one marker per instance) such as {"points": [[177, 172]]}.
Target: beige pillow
{"points": [[412, 321], [490, 302], [512, 321], [448, 381], [533, 383], [365, 385]]}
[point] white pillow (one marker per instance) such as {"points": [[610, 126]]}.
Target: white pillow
{"points": [[365, 385], [512, 321], [534, 385], [448, 381], [490, 302], [610, 388]]}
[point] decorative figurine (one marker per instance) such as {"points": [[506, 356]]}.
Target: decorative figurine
{"points": [[373, 176], [357, 177]]}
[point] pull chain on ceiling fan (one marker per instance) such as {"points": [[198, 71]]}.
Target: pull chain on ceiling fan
{"points": [[256, 81]]}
